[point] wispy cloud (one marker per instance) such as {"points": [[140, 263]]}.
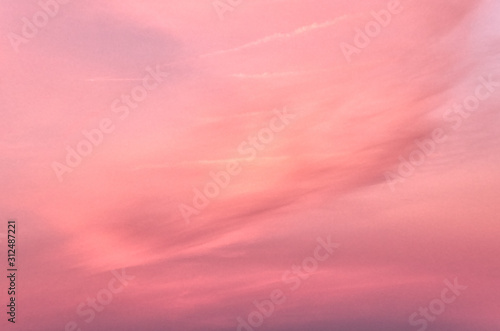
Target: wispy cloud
{"points": [[323, 175]]}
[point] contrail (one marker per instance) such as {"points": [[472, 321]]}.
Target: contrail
{"points": [[277, 36]]}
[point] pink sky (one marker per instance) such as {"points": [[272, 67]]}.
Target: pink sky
{"points": [[323, 175]]}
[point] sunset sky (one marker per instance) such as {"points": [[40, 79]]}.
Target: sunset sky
{"points": [[119, 116]]}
